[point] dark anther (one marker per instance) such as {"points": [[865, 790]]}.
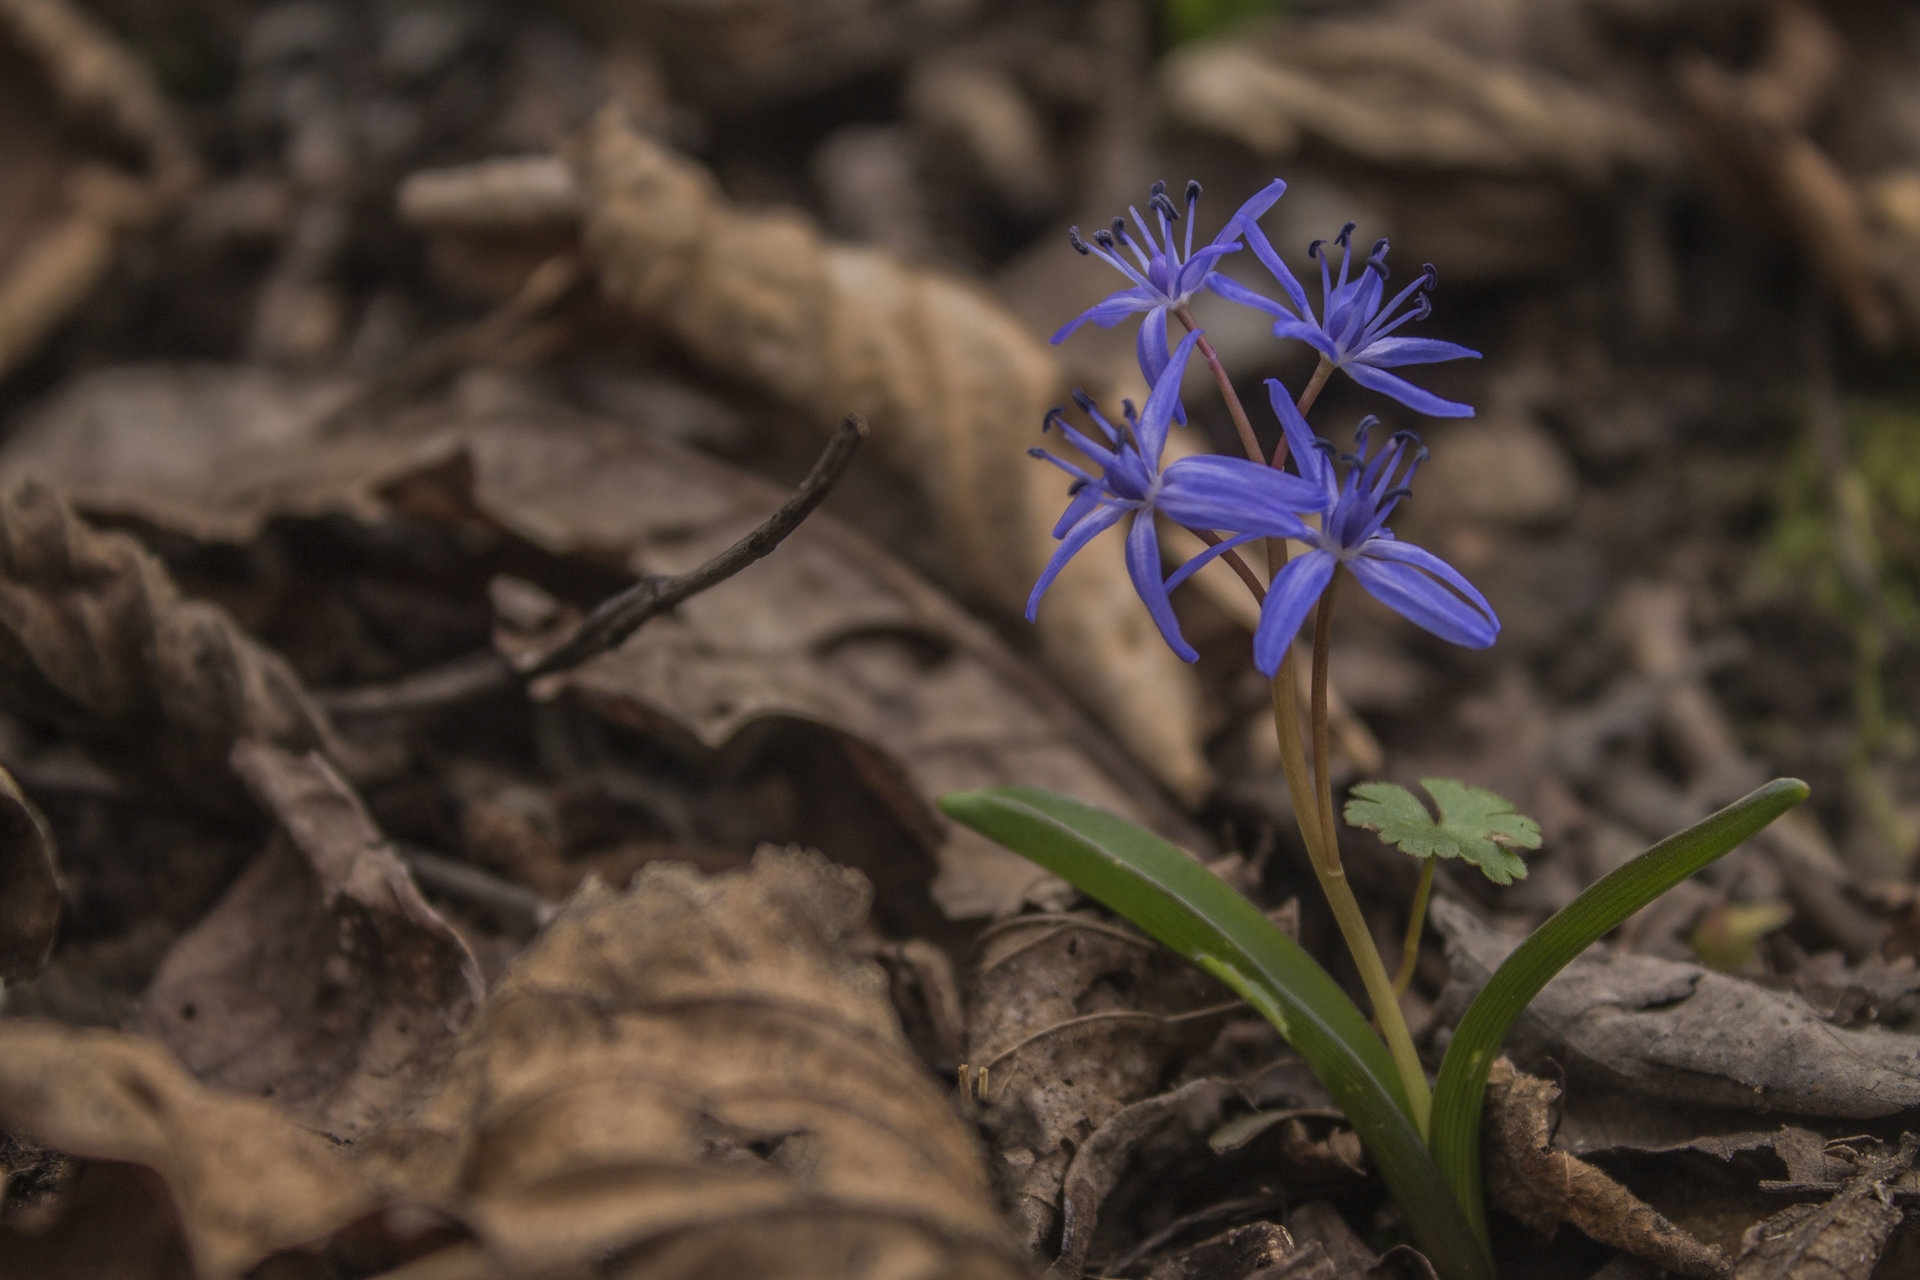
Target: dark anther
{"points": [[1055, 416], [1104, 239], [1073, 238], [1351, 459], [1432, 273], [1081, 398], [1036, 452], [1165, 206], [1120, 230], [1074, 489], [1126, 409], [1346, 235], [1422, 306], [1421, 455], [1313, 250], [1404, 436], [1377, 260], [1399, 491], [1158, 189], [1325, 446], [1193, 192]]}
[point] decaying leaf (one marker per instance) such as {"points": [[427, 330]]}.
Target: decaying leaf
{"points": [[29, 884], [1257, 1251], [1682, 1032], [96, 639], [1475, 825], [322, 980], [1544, 1186], [952, 384], [1074, 1019], [1841, 1239], [693, 1078], [62, 217], [831, 630]]}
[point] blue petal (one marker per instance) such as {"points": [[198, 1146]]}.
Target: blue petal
{"points": [[1163, 401], [1385, 548], [1253, 210], [1387, 353], [1208, 556], [1270, 259], [1287, 327], [1237, 495], [1150, 348], [1425, 602], [1195, 270], [1291, 595], [1143, 563], [1233, 291], [1081, 503], [1110, 311], [1082, 534], [1392, 384], [1311, 462]]}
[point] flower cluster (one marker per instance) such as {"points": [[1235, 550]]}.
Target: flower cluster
{"points": [[1340, 515]]}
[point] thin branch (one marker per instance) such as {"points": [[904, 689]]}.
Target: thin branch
{"points": [[614, 619]]}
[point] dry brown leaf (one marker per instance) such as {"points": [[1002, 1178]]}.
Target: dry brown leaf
{"points": [[237, 1180], [1543, 1186], [831, 629], [62, 217], [1073, 1019], [953, 386], [29, 884], [1685, 1033], [1257, 1251], [322, 980], [697, 1068], [1841, 1239], [99, 642]]}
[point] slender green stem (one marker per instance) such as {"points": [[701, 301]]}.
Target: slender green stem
{"points": [[1416, 921], [1333, 882], [1236, 410]]}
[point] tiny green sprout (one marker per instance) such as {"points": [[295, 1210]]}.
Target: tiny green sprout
{"points": [[1475, 825]]}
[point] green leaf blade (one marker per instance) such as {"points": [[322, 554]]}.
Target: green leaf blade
{"points": [[1460, 1093], [1177, 901]]}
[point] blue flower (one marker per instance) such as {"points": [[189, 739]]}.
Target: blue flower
{"points": [[1354, 330], [1168, 275], [1416, 584], [1204, 492]]}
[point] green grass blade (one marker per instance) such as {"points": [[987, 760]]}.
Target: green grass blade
{"points": [[1186, 907], [1461, 1089]]}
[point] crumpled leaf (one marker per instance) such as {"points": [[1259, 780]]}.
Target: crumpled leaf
{"points": [[1544, 1186], [29, 884], [96, 640], [322, 980], [1682, 1032], [1257, 1251], [953, 386], [1075, 1019], [692, 1077], [1841, 1239], [832, 630], [63, 216], [1475, 825]]}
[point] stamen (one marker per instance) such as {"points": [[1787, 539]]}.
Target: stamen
{"points": [[1432, 275], [1345, 238], [1165, 206], [1104, 239], [1193, 192], [1377, 260], [1037, 452], [1193, 199], [1120, 231], [1157, 189], [1079, 245], [1056, 417], [1085, 401], [1313, 249], [1073, 490]]}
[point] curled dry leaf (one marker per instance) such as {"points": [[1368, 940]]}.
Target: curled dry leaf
{"points": [[952, 384], [99, 642], [691, 1078], [237, 1178], [1543, 1186], [1684, 1033], [1074, 1019], [322, 979], [1257, 1251], [694, 1078], [831, 629], [62, 217], [29, 884]]}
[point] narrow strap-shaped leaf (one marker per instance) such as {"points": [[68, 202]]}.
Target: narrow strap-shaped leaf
{"points": [[1183, 905], [1461, 1090]]}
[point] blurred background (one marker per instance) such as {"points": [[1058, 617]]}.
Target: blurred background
{"points": [[1684, 233]]}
